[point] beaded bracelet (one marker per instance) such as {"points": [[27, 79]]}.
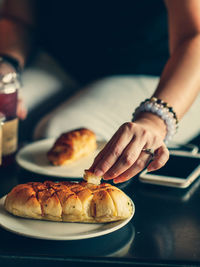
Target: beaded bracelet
{"points": [[164, 111]]}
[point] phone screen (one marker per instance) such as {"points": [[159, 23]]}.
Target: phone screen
{"points": [[178, 167]]}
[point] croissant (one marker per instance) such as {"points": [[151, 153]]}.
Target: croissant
{"points": [[71, 146], [69, 202]]}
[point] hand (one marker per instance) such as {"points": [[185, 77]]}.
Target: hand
{"points": [[122, 157], [21, 109]]}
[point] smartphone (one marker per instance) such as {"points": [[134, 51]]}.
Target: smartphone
{"points": [[180, 171], [191, 148]]}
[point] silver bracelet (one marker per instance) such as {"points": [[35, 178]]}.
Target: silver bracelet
{"points": [[161, 109]]}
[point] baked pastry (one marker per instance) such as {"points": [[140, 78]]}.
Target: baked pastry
{"points": [[69, 202], [91, 178], [71, 146]]}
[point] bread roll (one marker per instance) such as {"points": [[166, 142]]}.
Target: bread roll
{"points": [[91, 178], [69, 202], [72, 146]]}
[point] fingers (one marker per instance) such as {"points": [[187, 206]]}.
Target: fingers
{"points": [[122, 158], [131, 153], [21, 110], [160, 158], [126, 159], [137, 167], [112, 151], [103, 152]]}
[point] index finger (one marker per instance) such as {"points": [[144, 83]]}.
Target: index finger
{"points": [[112, 151]]}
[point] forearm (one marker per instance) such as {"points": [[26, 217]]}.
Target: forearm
{"points": [[179, 84], [16, 39], [180, 81]]}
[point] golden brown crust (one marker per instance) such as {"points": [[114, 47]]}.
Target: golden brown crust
{"points": [[69, 201], [71, 146]]}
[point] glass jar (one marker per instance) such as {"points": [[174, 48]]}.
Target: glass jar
{"points": [[9, 86]]}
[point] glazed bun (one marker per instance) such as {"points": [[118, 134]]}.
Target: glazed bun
{"points": [[69, 202]]}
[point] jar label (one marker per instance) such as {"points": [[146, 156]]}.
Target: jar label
{"points": [[10, 137]]}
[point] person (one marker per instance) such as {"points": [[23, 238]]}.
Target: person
{"points": [[99, 44]]}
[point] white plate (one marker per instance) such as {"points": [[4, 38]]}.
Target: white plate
{"points": [[33, 158], [56, 230]]}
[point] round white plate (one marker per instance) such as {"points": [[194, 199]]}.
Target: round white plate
{"points": [[56, 230], [33, 158]]}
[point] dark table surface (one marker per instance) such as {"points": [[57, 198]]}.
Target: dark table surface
{"points": [[165, 231]]}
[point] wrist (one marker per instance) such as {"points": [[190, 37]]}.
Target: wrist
{"points": [[6, 68], [162, 110], [10, 61], [153, 121]]}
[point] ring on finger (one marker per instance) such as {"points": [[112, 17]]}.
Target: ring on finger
{"points": [[149, 151]]}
